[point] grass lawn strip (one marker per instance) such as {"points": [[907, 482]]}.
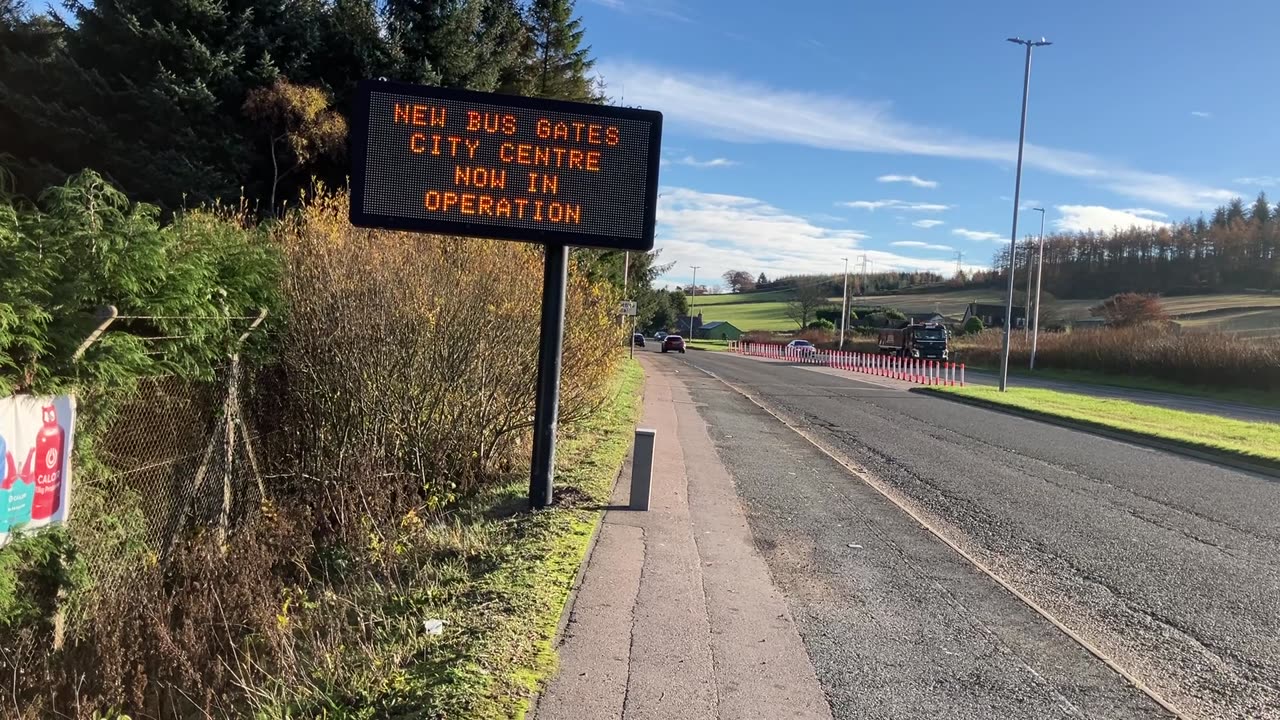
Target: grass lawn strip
{"points": [[1254, 398], [1253, 441], [712, 345]]}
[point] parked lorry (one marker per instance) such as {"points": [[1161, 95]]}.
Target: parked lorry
{"points": [[918, 340]]}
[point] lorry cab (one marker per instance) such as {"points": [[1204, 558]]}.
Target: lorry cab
{"points": [[922, 340]]}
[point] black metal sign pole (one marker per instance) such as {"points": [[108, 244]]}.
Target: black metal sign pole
{"points": [[555, 275]]}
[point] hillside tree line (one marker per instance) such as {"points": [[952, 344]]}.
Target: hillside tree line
{"points": [[1237, 248], [739, 281]]}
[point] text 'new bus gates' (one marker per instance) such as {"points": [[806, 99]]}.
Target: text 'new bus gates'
{"points": [[915, 370], [504, 167]]}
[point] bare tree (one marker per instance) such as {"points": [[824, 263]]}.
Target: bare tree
{"points": [[805, 299]]}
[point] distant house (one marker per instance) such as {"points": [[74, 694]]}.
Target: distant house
{"points": [[922, 318], [1089, 323], [992, 315], [719, 330], [687, 326]]}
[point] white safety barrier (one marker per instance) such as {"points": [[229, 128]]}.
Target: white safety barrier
{"points": [[915, 370]]}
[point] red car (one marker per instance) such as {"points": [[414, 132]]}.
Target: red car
{"points": [[672, 342]]}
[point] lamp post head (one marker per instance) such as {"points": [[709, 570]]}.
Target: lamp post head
{"points": [[1029, 43]]}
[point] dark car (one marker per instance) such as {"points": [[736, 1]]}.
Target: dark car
{"points": [[672, 342], [638, 339]]}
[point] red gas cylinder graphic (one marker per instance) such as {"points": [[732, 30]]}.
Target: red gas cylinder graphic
{"points": [[48, 467]]}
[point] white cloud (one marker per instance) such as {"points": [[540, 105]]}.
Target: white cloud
{"points": [[1096, 217], [1145, 212], [1201, 114], [926, 224], [921, 245], [874, 205], [1259, 181], [912, 179], [977, 234], [732, 109], [718, 232], [660, 9], [692, 161]]}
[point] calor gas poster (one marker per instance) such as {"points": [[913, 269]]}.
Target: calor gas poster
{"points": [[35, 461]]}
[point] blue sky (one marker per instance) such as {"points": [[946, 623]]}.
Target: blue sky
{"points": [[800, 133]]}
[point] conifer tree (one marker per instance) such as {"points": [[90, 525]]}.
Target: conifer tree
{"points": [[561, 62]]}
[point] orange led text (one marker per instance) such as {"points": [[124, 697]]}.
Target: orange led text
{"points": [[550, 156], [491, 123], [465, 203], [589, 133], [423, 115]]}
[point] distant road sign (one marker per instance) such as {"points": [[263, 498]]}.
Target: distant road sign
{"points": [[627, 307], [499, 166]]}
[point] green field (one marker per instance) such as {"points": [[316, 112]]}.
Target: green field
{"points": [[1250, 315], [770, 315], [735, 298], [1256, 441]]}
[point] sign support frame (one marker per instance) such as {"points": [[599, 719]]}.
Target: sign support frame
{"points": [[546, 414], [379, 172]]}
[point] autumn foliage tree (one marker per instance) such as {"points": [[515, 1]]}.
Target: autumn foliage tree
{"points": [[298, 125], [739, 280], [1129, 309]]}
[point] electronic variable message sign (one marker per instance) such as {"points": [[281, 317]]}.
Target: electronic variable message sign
{"points": [[499, 166]]}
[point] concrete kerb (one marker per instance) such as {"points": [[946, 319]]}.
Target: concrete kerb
{"points": [[1271, 472], [566, 612]]}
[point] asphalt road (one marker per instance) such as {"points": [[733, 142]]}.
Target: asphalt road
{"points": [[1169, 566], [1147, 397]]}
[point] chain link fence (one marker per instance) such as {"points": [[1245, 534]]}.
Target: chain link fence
{"points": [[184, 455]]}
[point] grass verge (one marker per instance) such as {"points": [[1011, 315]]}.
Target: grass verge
{"points": [[1252, 442], [1256, 398], [514, 655], [713, 345], [497, 575]]}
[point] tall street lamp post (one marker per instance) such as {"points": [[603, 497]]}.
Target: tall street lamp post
{"points": [[1035, 322], [844, 304], [693, 291], [1017, 197]]}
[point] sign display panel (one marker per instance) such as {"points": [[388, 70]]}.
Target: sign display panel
{"points": [[486, 165]]}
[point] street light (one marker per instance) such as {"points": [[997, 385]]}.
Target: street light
{"points": [[1017, 194], [844, 304], [1035, 323], [694, 292], [1026, 301]]}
